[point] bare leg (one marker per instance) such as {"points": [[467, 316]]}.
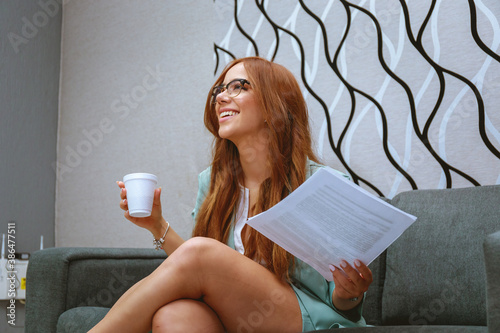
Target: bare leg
{"points": [[245, 296], [186, 315]]}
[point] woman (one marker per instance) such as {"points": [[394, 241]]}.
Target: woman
{"points": [[262, 152]]}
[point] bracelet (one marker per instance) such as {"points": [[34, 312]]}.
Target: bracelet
{"points": [[158, 243]]}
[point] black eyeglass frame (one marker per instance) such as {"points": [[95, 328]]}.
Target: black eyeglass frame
{"points": [[220, 89]]}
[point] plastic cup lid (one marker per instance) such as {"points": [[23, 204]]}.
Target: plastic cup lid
{"points": [[140, 175]]}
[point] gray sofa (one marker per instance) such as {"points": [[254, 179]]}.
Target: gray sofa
{"points": [[441, 275]]}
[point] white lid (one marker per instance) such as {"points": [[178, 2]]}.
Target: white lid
{"points": [[140, 175]]}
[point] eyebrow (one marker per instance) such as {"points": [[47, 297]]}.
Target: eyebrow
{"points": [[237, 78]]}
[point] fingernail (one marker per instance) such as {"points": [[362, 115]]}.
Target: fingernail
{"points": [[124, 201], [343, 264], [357, 263], [332, 268]]}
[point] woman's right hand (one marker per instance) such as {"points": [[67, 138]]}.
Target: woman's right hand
{"points": [[153, 223]]}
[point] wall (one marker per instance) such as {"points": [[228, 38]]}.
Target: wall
{"points": [[135, 76], [402, 95], [29, 81]]}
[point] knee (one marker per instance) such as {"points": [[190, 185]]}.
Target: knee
{"points": [[169, 318], [200, 244], [161, 320], [186, 315], [196, 252]]}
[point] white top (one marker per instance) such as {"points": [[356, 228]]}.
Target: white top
{"points": [[241, 219]]}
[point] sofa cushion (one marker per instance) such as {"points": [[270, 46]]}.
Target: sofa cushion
{"points": [[372, 307], [81, 319], [435, 271], [70, 277], [104, 280], [492, 260]]}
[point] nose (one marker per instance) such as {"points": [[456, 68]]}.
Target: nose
{"points": [[222, 97]]}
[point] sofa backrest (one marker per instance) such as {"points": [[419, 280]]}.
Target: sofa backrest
{"points": [[372, 307], [434, 273]]}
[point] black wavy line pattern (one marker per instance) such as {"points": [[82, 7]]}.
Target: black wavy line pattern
{"points": [[242, 30], [217, 59], [423, 136], [355, 93]]}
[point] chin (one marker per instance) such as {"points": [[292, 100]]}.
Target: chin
{"points": [[224, 135]]}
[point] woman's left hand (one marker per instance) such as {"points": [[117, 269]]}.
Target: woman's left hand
{"points": [[350, 283]]}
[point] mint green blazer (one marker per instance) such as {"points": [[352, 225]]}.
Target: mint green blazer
{"points": [[313, 292]]}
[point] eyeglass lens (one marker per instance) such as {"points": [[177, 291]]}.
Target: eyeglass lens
{"points": [[233, 88]]}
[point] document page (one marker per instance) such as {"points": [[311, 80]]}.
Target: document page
{"points": [[328, 219]]}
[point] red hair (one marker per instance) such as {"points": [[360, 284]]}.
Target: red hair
{"points": [[285, 111]]}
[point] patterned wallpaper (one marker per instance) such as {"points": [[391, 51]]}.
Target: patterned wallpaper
{"points": [[402, 94]]}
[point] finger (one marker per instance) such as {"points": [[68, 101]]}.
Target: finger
{"points": [[124, 204], [354, 275], [343, 285], [127, 215], [365, 272], [342, 279], [156, 198], [357, 284], [338, 272], [123, 193], [120, 184]]}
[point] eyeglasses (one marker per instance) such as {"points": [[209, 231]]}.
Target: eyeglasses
{"points": [[233, 88]]}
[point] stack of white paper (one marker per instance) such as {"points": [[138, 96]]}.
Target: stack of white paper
{"points": [[329, 219]]}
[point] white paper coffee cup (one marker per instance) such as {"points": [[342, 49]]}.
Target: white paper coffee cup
{"points": [[140, 193]]}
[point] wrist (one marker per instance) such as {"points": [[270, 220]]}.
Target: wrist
{"points": [[159, 229], [345, 303], [158, 242]]}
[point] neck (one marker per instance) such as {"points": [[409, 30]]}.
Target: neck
{"points": [[254, 162]]}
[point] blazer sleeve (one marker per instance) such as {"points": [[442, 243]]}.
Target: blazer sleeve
{"points": [[203, 187]]}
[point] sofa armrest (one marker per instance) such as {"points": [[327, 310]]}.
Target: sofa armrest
{"points": [[492, 263], [59, 279]]}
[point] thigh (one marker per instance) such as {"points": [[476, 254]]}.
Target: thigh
{"points": [[186, 315], [245, 295]]}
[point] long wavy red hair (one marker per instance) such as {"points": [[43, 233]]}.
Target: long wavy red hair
{"points": [[284, 108]]}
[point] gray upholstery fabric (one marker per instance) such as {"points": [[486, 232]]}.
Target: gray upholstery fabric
{"points": [[435, 270], [372, 308], [104, 280], [81, 319], [492, 261], [59, 279], [433, 274]]}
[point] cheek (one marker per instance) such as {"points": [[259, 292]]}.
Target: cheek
{"points": [[255, 112]]}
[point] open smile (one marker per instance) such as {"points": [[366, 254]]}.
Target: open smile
{"points": [[228, 114]]}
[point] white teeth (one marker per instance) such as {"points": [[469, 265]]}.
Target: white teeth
{"points": [[227, 114]]}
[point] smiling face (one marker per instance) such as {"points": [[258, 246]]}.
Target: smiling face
{"points": [[240, 117]]}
